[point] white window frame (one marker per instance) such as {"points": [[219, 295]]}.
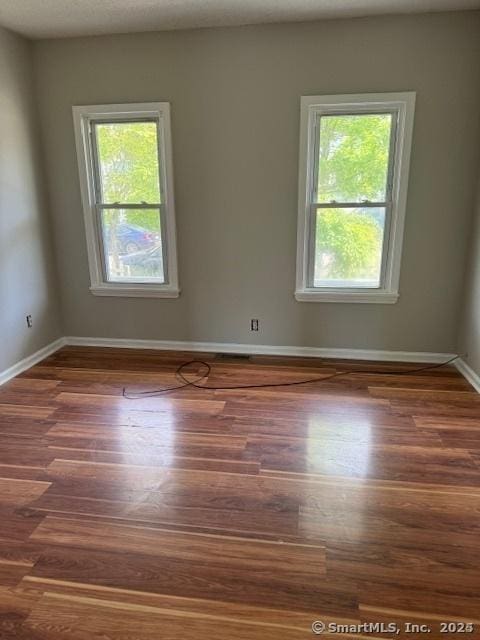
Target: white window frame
{"points": [[83, 117], [402, 105]]}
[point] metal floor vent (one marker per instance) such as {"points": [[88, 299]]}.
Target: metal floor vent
{"points": [[232, 356]]}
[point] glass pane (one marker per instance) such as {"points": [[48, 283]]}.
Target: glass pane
{"points": [[132, 240], [348, 247], [128, 162], [353, 157]]}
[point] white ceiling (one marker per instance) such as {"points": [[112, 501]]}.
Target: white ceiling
{"points": [[63, 18]]}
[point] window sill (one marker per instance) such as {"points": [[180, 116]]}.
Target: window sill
{"points": [[372, 297], [137, 291]]}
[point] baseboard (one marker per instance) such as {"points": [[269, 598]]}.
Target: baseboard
{"points": [[262, 349], [32, 360], [468, 373]]}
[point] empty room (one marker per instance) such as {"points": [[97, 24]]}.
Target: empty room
{"points": [[239, 319]]}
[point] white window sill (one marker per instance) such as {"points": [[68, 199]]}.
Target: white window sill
{"points": [[368, 296], [137, 291]]}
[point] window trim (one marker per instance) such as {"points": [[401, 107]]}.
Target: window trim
{"points": [[312, 107], [82, 117]]}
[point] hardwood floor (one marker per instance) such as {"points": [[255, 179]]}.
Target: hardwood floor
{"points": [[236, 514]]}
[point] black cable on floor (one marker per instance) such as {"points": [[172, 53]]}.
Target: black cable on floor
{"points": [[179, 373]]}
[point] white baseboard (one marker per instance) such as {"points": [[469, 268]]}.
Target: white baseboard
{"points": [[32, 360], [262, 349], [468, 373]]}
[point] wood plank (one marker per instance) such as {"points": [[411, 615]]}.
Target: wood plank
{"points": [[25, 411], [280, 559], [58, 616], [414, 623], [20, 492], [217, 609], [365, 460], [105, 404], [15, 606], [158, 459], [407, 566], [214, 581], [435, 602]]}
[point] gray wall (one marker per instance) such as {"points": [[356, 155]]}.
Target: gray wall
{"points": [[470, 328], [27, 282], [235, 111]]}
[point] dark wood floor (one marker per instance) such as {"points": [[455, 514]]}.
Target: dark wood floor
{"points": [[235, 515]]}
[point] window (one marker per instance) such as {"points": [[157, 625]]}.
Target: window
{"points": [[125, 167], [354, 157]]}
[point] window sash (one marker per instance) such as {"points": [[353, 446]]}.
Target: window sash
{"points": [[352, 286], [364, 204], [97, 182], [103, 249], [360, 111], [387, 204]]}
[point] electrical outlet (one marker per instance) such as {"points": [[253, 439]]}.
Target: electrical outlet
{"points": [[29, 321], [253, 324]]}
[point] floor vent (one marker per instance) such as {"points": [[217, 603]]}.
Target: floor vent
{"points": [[232, 356]]}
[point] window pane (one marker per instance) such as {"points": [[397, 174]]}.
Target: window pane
{"points": [[128, 162], [348, 247], [133, 245], [353, 157]]}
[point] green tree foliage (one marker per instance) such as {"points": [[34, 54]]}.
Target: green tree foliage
{"points": [[353, 165], [349, 243], [353, 157], [129, 173]]}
